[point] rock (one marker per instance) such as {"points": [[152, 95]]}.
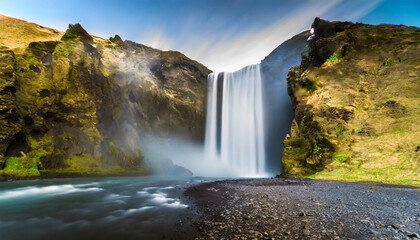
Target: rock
{"points": [[395, 226], [413, 235], [76, 100], [342, 79]]}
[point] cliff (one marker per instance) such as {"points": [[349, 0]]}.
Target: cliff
{"points": [[76, 104], [357, 105], [277, 104]]}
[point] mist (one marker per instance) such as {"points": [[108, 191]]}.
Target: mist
{"points": [[161, 152]]}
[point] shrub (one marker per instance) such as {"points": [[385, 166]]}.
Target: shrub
{"points": [[332, 58], [77, 31], [21, 167], [117, 40]]}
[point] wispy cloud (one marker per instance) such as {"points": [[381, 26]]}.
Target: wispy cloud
{"points": [[158, 39], [231, 52], [224, 35]]}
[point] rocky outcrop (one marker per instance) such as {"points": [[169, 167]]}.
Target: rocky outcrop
{"points": [[356, 103], [81, 105], [9, 118]]}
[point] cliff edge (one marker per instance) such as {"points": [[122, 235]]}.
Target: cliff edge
{"points": [[357, 105], [75, 104]]}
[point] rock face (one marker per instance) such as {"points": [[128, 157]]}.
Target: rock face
{"points": [[79, 105], [277, 104], [357, 104]]}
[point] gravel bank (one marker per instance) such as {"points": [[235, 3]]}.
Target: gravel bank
{"points": [[296, 208]]}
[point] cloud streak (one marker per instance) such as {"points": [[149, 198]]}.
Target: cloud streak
{"points": [[231, 52], [224, 35]]}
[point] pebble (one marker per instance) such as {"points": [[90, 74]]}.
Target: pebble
{"points": [[286, 213], [414, 235]]}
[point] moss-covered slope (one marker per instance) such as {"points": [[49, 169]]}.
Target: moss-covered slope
{"points": [[357, 105], [79, 105]]}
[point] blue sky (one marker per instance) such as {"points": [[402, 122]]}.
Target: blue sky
{"points": [[224, 35]]}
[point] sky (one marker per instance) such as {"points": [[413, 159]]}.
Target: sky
{"points": [[224, 35]]}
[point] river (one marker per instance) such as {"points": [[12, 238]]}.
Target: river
{"points": [[91, 208]]}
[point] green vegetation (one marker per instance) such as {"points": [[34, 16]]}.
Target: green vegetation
{"points": [[48, 46], [383, 175], [66, 48], [366, 115], [89, 165], [43, 147], [123, 159], [77, 31], [117, 40], [389, 62], [309, 85], [342, 158], [332, 58], [21, 167], [16, 33], [57, 94], [94, 135]]}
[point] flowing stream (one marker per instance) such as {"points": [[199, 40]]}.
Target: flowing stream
{"points": [[235, 125], [91, 208]]}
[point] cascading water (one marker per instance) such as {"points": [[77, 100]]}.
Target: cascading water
{"points": [[241, 130]]}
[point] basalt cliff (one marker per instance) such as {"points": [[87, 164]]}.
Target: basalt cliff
{"points": [[76, 104]]}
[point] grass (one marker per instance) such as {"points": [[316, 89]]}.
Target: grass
{"points": [[21, 167], [77, 31], [86, 165], [90, 165], [342, 158], [389, 62], [389, 175], [19, 33]]}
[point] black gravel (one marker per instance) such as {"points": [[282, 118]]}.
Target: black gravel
{"points": [[296, 208]]}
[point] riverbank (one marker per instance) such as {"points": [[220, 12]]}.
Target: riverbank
{"points": [[298, 208]]}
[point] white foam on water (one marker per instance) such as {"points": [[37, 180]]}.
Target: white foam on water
{"points": [[160, 198], [136, 210], [176, 204], [86, 184], [115, 196], [157, 188], [42, 191]]}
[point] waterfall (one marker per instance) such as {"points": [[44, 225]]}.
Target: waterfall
{"points": [[238, 144]]}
